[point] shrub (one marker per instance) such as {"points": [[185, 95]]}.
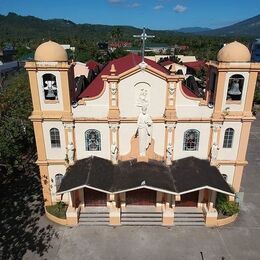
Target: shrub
{"points": [[227, 208], [58, 210]]}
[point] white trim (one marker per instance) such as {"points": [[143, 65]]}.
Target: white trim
{"points": [[146, 187], [149, 188], [84, 186], [206, 187]]}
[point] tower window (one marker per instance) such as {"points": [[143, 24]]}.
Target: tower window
{"points": [[228, 138], [191, 140], [235, 87], [92, 140], [58, 179], [55, 138], [50, 86]]}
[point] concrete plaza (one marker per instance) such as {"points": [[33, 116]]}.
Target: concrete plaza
{"points": [[240, 240]]}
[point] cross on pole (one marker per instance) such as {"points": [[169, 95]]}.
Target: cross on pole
{"points": [[143, 37]]}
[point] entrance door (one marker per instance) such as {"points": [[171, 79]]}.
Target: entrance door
{"points": [[141, 197], [188, 200], [94, 198]]}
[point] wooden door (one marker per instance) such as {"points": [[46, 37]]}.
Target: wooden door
{"points": [[94, 198], [141, 197], [188, 200]]}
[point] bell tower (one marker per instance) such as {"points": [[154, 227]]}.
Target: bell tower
{"points": [[230, 93], [50, 76], [232, 81]]}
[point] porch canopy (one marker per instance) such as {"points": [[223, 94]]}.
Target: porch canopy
{"points": [[183, 176]]}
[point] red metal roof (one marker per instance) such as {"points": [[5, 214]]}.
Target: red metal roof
{"points": [[167, 62], [188, 92], [121, 64], [196, 65], [91, 64]]}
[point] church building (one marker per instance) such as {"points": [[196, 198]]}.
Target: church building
{"points": [[136, 146]]}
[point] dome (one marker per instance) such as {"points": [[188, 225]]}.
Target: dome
{"points": [[234, 52], [50, 51]]}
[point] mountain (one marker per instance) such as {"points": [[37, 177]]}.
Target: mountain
{"points": [[248, 28], [15, 26], [193, 29]]}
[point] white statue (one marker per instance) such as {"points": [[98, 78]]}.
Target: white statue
{"points": [[214, 152], [70, 152], [144, 131], [169, 152], [114, 153]]}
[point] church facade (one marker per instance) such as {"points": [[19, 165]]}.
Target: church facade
{"points": [[136, 138]]}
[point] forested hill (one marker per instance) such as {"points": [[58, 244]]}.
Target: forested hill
{"points": [[247, 28], [14, 26]]}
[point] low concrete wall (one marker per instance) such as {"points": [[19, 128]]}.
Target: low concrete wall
{"points": [[226, 221], [55, 219]]}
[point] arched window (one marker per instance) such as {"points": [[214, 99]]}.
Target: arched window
{"points": [[55, 138], [92, 140], [58, 179], [235, 87], [228, 138], [50, 86], [191, 140]]}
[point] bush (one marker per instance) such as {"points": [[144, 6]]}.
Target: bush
{"points": [[227, 208], [58, 210]]}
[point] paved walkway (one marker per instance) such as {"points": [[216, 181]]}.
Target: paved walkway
{"points": [[240, 240]]}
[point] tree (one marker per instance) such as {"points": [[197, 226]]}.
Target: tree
{"points": [[17, 143]]}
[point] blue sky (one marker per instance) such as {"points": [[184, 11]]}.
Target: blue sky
{"points": [[154, 14]]}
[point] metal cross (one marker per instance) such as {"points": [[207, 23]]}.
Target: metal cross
{"points": [[143, 37]]}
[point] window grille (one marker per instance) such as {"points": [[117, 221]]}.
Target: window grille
{"points": [[228, 138], [55, 138], [92, 140], [191, 140]]}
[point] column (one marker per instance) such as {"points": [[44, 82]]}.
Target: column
{"points": [[169, 142]]}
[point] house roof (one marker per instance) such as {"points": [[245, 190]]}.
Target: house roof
{"points": [[91, 64], [196, 65], [182, 176], [122, 64]]}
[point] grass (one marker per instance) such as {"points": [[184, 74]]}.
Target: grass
{"points": [[58, 210]]}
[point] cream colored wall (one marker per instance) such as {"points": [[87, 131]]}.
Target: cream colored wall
{"points": [[189, 108], [54, 106], [95, 108], [229, 153], [126, 131], [53, 170], [127, 94], [54, 153], [81, 128], [80, 69], [240, 106], [202, 152], [158, 134], [229, 171]]}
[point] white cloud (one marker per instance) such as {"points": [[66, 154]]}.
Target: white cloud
{"points": [[158, 7], [180, 8], [135, 5]]}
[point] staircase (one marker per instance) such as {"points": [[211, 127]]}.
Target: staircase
{"points": [[94, 216], [188, 216], [141, 215]]}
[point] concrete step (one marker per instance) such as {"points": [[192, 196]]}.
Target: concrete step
{"points": [[189, 220], [93, 219], [141, 223], [94, 213], [189, 223], [141, 219], [191, 215], [139, 214]]}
